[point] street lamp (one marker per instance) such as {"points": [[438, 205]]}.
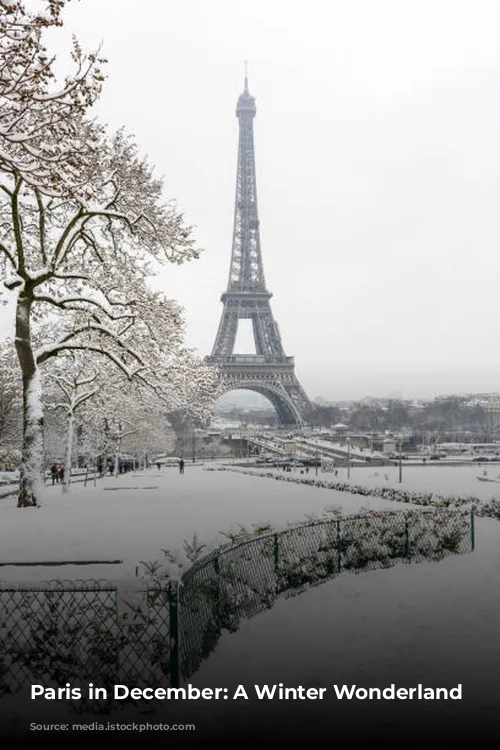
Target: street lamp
{"points": [[400, 439]]}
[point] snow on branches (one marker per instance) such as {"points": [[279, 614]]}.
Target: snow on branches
{"points": [[83, 226], [114, 414], [42, 133], [72, 380]]}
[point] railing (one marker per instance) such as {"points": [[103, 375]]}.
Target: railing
{"points": [[251, 359], [81, 631]]}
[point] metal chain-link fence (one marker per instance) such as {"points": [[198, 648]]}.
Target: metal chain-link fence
{"points": [[92, 631], [240, 580], [86, 631]]}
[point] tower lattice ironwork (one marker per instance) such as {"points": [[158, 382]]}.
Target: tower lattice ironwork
{"points": [[269, 371]]}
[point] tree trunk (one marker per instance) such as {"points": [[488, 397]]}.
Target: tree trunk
{"points": [[106, 445], [32, 451], [117, 457], [69, 452]]}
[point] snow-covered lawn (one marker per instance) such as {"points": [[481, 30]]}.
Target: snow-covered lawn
{"points": [[160, 510], [445, 479]]}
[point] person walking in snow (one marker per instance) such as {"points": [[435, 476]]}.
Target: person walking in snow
{"points": [[61, 473], [54, 474], [181, 466]]}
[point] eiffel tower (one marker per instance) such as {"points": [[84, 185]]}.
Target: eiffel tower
{"points": [[268, 372]]}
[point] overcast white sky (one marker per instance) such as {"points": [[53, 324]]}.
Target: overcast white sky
{"points": [[378, 161]]}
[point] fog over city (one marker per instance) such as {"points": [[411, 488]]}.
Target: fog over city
{"points": [[378, 157]]}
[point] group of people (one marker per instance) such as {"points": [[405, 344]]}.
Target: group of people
{"points": [[57, 470], [108, 467], [57, 473]]}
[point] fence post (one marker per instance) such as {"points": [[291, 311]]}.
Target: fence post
{"points": [[339, 548], [276, 554], [472, 529], [173, 611], [217, 600]]}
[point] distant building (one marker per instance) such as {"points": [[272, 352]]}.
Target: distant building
{"points": [[389, 446], [492, 410], [290, 447]]}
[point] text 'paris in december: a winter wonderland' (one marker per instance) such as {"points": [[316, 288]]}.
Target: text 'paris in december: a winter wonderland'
{"points": [[261, 692]]}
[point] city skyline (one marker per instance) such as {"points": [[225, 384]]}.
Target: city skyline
{"points": [[377, 160]]}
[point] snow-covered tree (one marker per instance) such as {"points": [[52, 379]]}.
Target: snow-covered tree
{"points": [[83, 225], [132, 415], [152, 433], [73, 380], [10, 398]]}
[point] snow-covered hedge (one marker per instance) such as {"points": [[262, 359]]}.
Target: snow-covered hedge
{"points": [[489, 509]]}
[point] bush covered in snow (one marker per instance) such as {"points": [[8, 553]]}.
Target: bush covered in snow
{"points": [[489, 509]]}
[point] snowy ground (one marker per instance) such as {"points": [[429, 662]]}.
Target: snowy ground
{"points": [[109, 521], [7, 489], [447, 480], [431, 623]]}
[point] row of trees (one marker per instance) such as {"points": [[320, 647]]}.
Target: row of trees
{"points": [[84, 225], [447, 414], [92, 410], [452, 413]]}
